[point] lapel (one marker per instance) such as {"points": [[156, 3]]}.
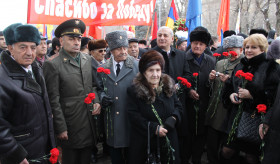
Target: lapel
{"points": [[16, 72]]}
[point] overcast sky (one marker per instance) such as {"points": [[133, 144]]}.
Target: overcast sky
{"points": [[12, 11]]}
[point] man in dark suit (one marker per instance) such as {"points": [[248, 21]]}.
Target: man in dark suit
{"points": [[26, 124]]}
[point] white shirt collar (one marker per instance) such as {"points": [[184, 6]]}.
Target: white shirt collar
{"points": [[115, 65]]}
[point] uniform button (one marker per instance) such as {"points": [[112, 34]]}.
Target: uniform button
{"points": [[117, 98], [116, 83], [117, 112]]}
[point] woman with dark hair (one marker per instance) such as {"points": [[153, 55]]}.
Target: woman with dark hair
{"points": [[261, 90], [152, 99]]}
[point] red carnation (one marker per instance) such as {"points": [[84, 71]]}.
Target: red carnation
{"points": [[179, 78], [248, 76], [195, 74], [100, 69], [88, 100], [91, 96], [239, 73], [261, 108], [53, 160], [107, 71], [54, 152], [181, 25], [216, 55], [225, 54], [180, 28], [233, 53]]}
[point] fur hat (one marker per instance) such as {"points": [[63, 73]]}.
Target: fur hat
{"points": [[149, 59], [21, 33], [200, 35], [96, 44], [273, 51], [258, 31], [1, 33], [233, 41], [117, 39], [228, 33]]}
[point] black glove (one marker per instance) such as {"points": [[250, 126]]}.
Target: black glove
{"points": [[169, 123], [106, 101]]}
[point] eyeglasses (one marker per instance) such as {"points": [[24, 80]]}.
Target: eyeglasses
{"points": [[103, 50]]}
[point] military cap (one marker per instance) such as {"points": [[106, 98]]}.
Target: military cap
{"points": [[132, 40], [21, 33], [117, 39], [233, 41], [72, 27]]}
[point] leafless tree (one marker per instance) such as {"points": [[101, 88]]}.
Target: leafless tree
{"points": [[263, 6]]}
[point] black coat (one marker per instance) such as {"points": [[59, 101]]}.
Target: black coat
{"points": [[272, 142], [26, 125], [176, 65], [140, 113], [203, 89], [263, 87]]}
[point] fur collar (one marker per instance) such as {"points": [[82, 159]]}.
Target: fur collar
{"points": [[142, 92], [128, 62]]}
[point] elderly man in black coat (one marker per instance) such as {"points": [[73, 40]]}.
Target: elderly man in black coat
{"points": [[26, 128], [175, 65], [197, 101]]}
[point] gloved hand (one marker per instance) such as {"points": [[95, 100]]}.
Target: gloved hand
{"points": [[170, 123], [106, 101]]}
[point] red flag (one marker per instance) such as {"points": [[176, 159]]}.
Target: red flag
{"points": [[223, 23], [155, 27], [95, 32]]}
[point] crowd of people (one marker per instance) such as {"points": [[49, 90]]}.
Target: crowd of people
{"points": [[168, 103]]}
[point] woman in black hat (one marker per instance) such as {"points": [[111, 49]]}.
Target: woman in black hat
{"points": [[152, 99]]}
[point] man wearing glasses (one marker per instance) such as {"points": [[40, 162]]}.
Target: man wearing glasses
{"points": [[97, 49]]}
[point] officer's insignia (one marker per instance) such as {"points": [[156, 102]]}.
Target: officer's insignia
{"points": [[76, 30], [120, 37], [77, 22]]}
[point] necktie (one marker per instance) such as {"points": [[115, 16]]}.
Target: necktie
{"points": [[30, 74], [118, 69]]}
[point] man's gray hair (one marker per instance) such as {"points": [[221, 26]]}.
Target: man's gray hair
{"points": [[165, 27]]}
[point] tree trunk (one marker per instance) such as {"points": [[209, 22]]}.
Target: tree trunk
{"points": [[264, 10], [277, 17]]}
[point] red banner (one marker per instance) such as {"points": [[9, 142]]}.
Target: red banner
{"points": [[92, 12]]}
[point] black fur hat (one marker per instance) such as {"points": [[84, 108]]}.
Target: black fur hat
{"points": [[228, 33], [200, 35], [258, 31], [21, 33], [149, 59]]}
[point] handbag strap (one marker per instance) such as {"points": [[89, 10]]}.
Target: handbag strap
{"points": [[148, 146], [158, 146]]}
